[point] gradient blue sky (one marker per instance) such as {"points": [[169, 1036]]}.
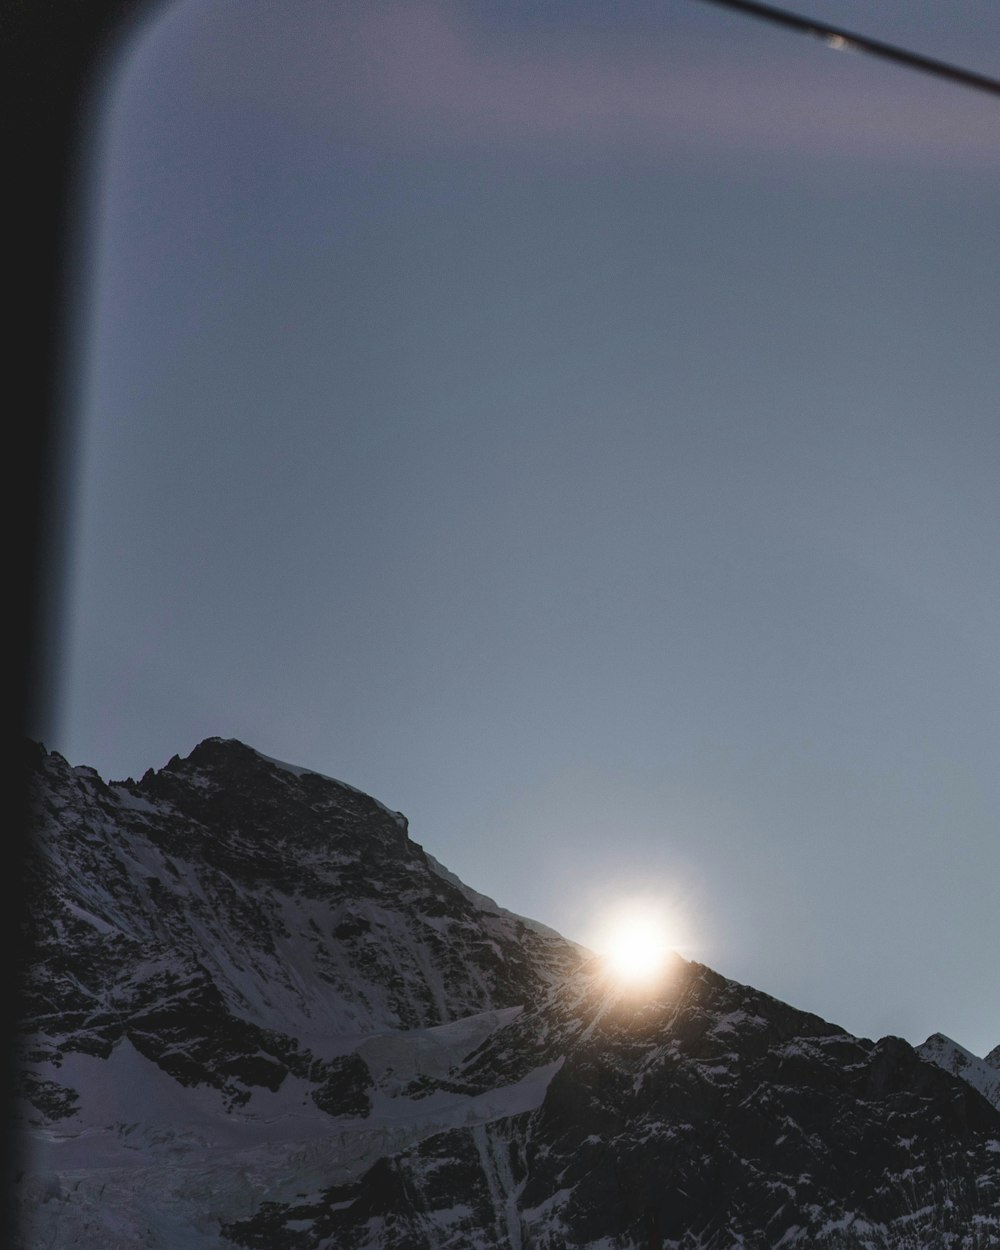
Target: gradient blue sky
{"points": [[575, 424]]}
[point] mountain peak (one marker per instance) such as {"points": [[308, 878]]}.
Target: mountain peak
{"points": [[981, 1074], [223, 754], [258, 1014]]}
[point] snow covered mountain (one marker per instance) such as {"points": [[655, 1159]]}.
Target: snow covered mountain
{"points": [[259, 1015], [981, 1074]]}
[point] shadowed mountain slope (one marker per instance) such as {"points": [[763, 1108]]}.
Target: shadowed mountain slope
{"points": [[259, 1015]]}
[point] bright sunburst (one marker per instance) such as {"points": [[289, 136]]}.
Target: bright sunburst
{"points": [[636, 951], [636, 943]]}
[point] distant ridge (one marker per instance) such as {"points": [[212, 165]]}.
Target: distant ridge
{"points": [[982, 1074]]}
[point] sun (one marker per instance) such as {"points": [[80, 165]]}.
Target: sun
{"points": [[637, 944], [636, 951]]}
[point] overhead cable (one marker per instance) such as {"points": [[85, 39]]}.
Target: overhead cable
{"points": [[847, 41]]}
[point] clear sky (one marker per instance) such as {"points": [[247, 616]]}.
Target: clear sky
{"points": [[575, 424]]}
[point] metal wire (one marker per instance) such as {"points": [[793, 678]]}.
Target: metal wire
{"points": [[848, 41]]}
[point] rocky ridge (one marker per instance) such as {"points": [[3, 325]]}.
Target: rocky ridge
{"points": [[259, 1015], [982, 1074]]}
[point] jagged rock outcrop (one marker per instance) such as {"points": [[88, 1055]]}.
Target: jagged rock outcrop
{"points": [[258, 1015], [982, 1074], [229, 915]]}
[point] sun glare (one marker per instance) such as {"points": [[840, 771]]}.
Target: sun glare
{"points": [[636, 945]]}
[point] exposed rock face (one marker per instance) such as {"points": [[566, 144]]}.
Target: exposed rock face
{"points": [[260, 1016], [226, 913], [981, 1074]]}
